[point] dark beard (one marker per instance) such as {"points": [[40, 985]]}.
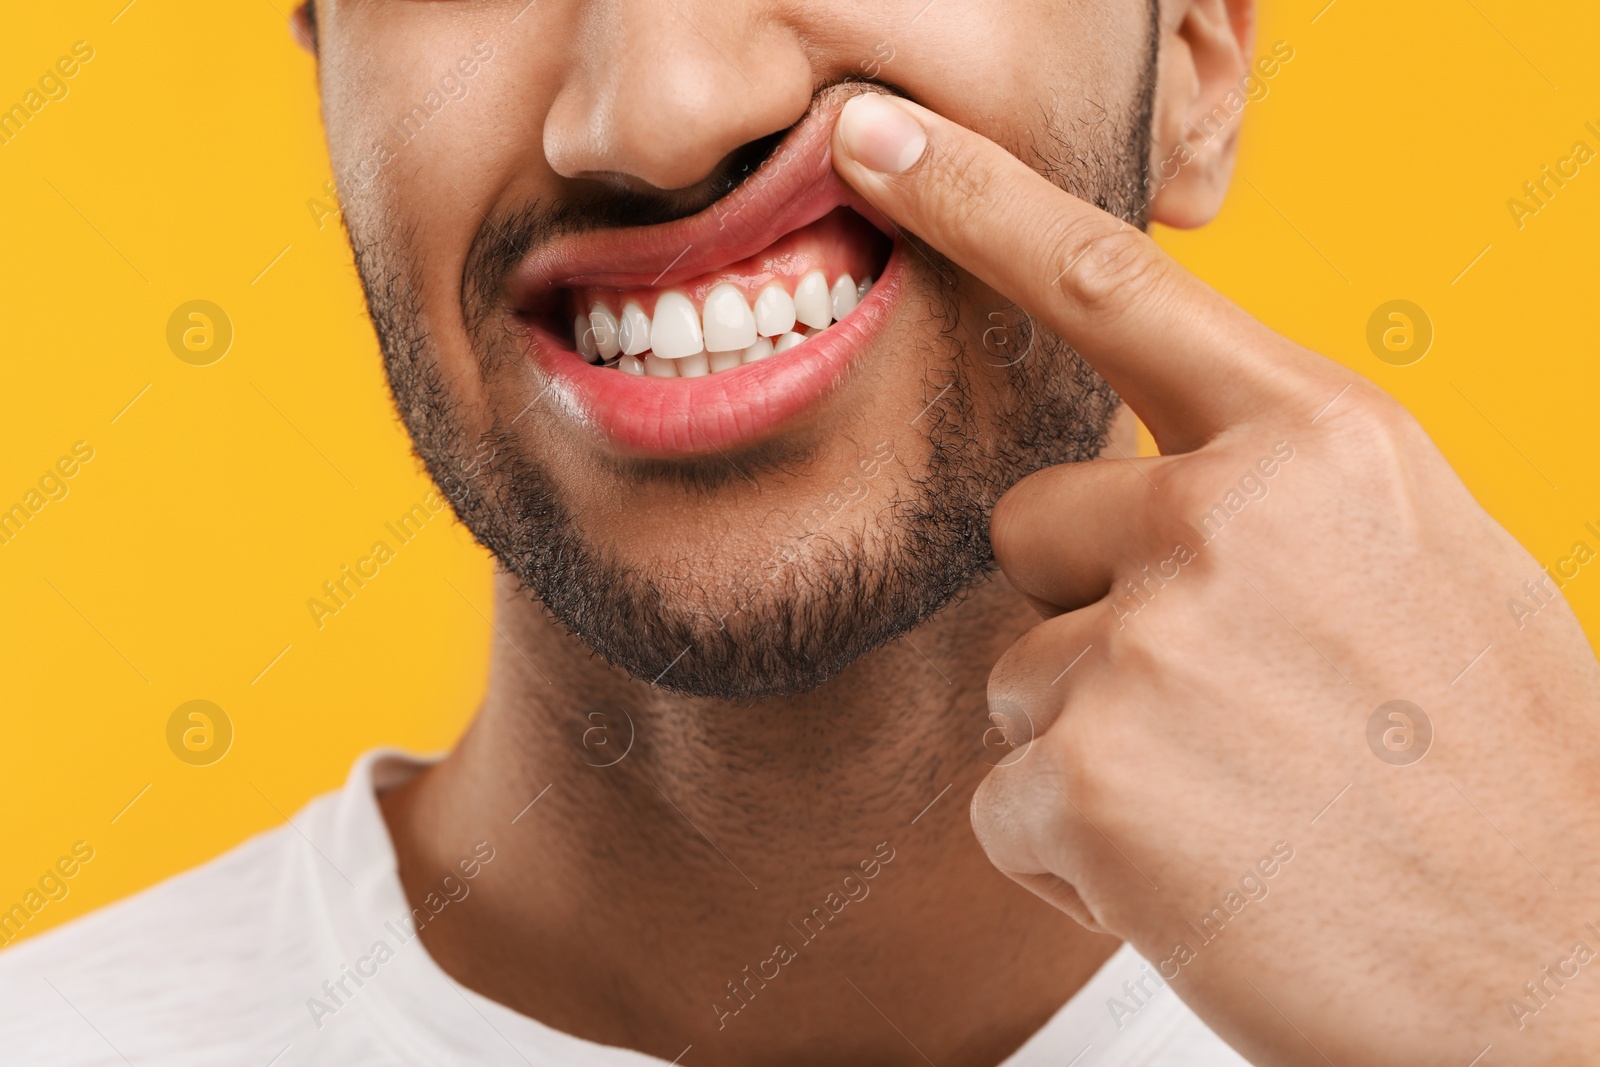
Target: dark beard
{"points": [[822, 600]]}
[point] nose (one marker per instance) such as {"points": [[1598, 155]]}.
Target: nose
{"points": [[659, 93]]}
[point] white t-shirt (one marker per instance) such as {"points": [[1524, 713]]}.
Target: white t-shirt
{"points": [[226, 964]]}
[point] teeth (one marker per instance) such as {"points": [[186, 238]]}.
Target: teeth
{"points": [[721, 361], [585, 338], [604, 327], [788, 341], [675, 331], [634, 332], [729, 325], [843, 297], [774, 311], [685, 342], [812, 304]]}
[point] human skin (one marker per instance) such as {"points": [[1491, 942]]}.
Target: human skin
{"points": [[1223, 708], [622, 902]]}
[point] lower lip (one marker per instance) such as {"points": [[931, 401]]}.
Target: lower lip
{"points": [[681, 417]]}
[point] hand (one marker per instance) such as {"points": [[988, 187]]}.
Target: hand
{"points": [[1215, 773]]}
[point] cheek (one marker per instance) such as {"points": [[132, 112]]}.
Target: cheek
{"points": [[991, 66], [418, 171]]}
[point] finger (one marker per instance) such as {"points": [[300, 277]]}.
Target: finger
{"points": [[1059, 893], [1064, 535], [1032, 681], [1038, 822], [1027, 831], [1006, 808], [1188, 361]]}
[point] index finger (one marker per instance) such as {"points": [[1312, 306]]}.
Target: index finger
{"points": [[1188, 361]]}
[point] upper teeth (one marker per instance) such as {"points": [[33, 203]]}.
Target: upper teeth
{"points": [[774, 311], [635, 335], [680, 341], [811, 303]]}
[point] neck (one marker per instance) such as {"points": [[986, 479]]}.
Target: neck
{"points": [[766, 883]]}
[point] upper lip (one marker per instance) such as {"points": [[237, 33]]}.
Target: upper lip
{"points": [[795, 187]]}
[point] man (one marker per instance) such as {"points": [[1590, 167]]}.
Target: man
{"points": [[740, 363]]}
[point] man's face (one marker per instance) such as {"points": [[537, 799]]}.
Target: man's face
{"points": [[762, 504]]}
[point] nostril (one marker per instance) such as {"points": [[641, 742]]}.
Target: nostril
{"points": [[629, 201], [744, 161]]}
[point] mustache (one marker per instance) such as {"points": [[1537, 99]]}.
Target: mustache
{"points": [[616, 202]]}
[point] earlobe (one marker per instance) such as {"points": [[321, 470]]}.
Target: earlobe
{"points": [[1204, 83], [303, 24]]}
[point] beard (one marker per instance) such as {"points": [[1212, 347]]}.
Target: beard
{"points": [[814, 603]]}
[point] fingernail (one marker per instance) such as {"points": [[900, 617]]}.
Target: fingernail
{"points": [[881, 135]]}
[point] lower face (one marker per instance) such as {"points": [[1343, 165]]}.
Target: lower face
{"points": [[730, 427]]}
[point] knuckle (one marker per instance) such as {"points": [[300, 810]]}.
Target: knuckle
{"points": [[1019, 680], [1080, 758], [1378, 448], [1003, 820], [1373, 415], [1105, 265], [1197, 486], [1373, 438]]}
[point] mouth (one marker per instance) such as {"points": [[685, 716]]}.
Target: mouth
{"points": [[718, 330], [789, 292]]}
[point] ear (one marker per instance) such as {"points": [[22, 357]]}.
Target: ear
{"points": [[1204, 80], [303, 23]]}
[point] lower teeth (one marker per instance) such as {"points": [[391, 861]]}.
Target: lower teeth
{"points": [[703, 363]]}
